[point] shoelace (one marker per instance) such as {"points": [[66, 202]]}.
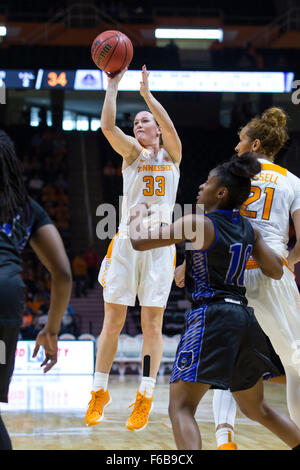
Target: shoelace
{"points": [[93, 401], [138, 405], [138, 399]]}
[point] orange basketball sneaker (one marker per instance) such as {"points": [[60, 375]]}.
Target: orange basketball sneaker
{"points": [[138, 419], [98, 402], [228, 446]]}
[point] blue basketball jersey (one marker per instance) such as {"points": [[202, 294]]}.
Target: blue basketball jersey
{"points": [[218, 272]]}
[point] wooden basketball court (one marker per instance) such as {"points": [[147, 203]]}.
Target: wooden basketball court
{"points": [[47, 413]]}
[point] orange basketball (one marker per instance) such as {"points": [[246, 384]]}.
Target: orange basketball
{"points": [[112, 51]]}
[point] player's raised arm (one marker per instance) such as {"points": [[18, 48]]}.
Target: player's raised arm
{"points": [[269, 262], [125, 145], [196, 228], [171, 140]]}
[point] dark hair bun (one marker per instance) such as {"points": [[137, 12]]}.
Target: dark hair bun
{"points": [[245, 166]]}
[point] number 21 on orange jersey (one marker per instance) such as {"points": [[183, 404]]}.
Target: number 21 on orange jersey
{"points": [[256, 194]]}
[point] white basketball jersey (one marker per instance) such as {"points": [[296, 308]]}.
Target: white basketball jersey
{"points": [[153, 180], [275, 194]]}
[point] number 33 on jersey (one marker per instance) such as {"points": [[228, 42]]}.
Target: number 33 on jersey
{"points": [[150, 180]]}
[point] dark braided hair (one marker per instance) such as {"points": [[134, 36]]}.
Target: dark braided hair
{"points": [[13, 194], [236, 176]]}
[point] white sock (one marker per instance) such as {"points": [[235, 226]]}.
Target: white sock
{"points": [[100, 381], [224, 435], [147, 386], [224, 408]]}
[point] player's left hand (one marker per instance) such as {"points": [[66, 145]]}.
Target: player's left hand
{"points": [[139, 213], [144, 84], [179, 276], [48, 340]]}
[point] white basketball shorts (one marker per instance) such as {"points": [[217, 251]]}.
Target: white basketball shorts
{"points": [[276, 306], [126, 273]]}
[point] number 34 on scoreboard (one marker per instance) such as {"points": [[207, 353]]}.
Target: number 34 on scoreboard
{"points": [[55, 79]]}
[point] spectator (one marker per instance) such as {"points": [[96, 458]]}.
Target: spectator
{"points": [[43, 308], [92, 260], [50, 168], [281, 62], [172, 54], [36, 183], [70, 310], [251, 54], [109, 169], [69, 323], [138, 11], [49, 193], [260, 62], [59, 144], [119, 173], [217, 53], [38, 300], [80, 275], [127, 122], [62, 196], [62, 219], [27, 328], [40, 285], [61, 182], [27, 167], [36, 141], [50, 208], [244, 62], [36, 166], [28, 279], [247, 110], [109, 180], [47, 280]]}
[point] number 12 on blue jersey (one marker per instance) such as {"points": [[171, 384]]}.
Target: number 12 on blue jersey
{"points": [[236, 270]]}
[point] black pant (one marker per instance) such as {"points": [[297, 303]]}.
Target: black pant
{"points": [[5, 442], [8, 344]]}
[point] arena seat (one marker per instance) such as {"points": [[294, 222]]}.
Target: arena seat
{"points": [[120, 351], [132, 349], [176, 338], [169, 348], [129, 349], [67, 336], [86, 337]]}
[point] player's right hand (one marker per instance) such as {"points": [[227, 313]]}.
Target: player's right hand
{"points": [[116, 76], [48, 340]]}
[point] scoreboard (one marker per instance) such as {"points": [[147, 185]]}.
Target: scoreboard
{"points": [[18, 78], [159, 80], [63, 79]]}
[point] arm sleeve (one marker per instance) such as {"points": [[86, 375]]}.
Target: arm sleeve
{"points": [[39, 216]]}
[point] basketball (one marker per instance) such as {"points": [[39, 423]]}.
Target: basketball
{"points": [[112, 51]]}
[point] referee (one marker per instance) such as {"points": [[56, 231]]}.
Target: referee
{"points": [[23, 220]]}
